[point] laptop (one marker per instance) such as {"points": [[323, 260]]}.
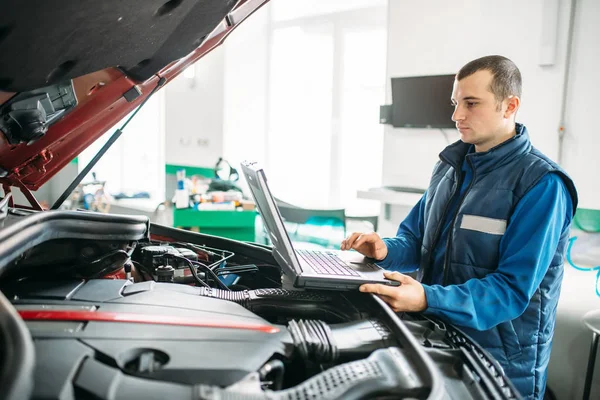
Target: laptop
{"points": [[309, 269]]}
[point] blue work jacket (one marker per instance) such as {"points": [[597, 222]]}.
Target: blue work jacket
{"points": [[488, 239]]}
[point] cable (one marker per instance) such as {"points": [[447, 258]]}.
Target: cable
{"points": [[191, 267], [196, 277], [597, 268], [142, 270], [212, 274], [204, 253], [224, 254]]}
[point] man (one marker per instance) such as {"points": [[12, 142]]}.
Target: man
{"points": [[489, 235]]}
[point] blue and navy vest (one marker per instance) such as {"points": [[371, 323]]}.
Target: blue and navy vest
{"points": [[501, 177]]}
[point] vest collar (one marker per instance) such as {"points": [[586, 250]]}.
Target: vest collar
{"points": [[495, 157]]}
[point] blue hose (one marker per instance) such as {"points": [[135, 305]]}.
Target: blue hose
{"points": [[597, 268]]}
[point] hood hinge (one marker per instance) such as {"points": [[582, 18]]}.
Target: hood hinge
{"points": [[35, 205], [14, 177]]}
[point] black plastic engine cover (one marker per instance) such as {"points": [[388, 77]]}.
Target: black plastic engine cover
{"points": [[91, 358]]}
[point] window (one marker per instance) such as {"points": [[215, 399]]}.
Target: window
{"points": [[300, 111], [361, 137], [326, 82], [135, 162]]}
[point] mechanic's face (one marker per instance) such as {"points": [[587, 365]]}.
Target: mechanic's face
{"points": [[479, 118]]}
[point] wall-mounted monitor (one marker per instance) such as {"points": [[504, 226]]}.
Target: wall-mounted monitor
{"points": [[422, 102]]}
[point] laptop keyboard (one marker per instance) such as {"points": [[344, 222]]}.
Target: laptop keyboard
{"points": [[326, 263]]}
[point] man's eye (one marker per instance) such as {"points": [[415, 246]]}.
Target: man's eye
{"points": [[470, 104]]}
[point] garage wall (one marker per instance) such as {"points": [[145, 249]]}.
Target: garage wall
{"points": [[438, 37], [194, 114]]}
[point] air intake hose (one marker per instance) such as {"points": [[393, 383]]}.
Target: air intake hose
{"points": [[313, 340]]}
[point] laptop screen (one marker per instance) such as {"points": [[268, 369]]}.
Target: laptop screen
{"points": [[283, 250]]}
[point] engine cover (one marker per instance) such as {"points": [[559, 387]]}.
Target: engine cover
{"points": [[103, 337]]}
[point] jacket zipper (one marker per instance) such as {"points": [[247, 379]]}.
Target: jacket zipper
{"points": [[442, 219], [449, 240]]}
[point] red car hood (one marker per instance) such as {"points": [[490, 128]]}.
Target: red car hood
{"points": [[110, 54]]}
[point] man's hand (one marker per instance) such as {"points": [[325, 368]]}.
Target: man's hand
{"points": [[367, 244], [410, 296]]}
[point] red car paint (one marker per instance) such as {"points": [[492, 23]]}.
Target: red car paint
{"points": [[100, 316]]}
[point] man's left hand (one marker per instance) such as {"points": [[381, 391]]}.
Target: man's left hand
{"points": [[409, 296]]}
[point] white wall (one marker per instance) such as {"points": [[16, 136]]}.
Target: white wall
{"points": [[582, 143], [194, 114], [438, 37]]}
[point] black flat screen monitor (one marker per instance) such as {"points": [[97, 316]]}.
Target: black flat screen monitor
{"points": [[422, 102]]}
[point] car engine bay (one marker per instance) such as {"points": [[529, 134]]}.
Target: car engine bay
{"points": [[182, 315]]}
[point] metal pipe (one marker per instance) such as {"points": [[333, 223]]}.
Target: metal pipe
{"points": [[590, 369], [565, 95]]}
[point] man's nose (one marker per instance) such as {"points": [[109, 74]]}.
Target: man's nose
{"points": [[458, 114]]}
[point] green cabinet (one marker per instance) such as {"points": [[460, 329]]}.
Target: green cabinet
{"points": [[238, 225]]}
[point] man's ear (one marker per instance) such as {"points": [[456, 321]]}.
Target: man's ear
{"points": [[512, 106]]}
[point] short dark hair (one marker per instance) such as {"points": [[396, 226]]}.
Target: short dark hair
{"points": [[506, 79]]}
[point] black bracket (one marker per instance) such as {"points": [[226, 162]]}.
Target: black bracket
{"points": [[28, 115]]}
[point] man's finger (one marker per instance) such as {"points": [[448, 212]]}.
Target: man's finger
{"points": [[368, 288], [349, 241], [362, 239], [397, 276], [379, 289], [356, 244]]}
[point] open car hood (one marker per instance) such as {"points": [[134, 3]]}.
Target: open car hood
{"points": [[72, 69]]}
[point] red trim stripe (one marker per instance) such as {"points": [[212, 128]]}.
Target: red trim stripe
{"points": [[100, 316]]}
